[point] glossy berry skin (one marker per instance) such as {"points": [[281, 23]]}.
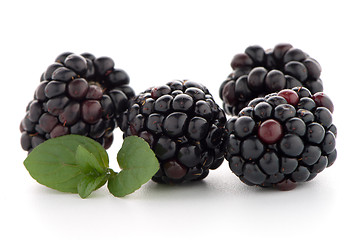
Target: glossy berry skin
{"points": [[288, 146], [78, 94], [290, 96], [184, 127], [270, 131], [257, 72], [322, 100]]}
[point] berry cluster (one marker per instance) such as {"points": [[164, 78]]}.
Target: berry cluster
{"points": [[183, 125], [257, 73], [282, 138], [78, 94], [281, 131]]}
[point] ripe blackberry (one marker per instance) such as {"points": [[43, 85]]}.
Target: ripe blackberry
{"points": [[78, 94], [183, 125], [282, 138], [258, 72]]}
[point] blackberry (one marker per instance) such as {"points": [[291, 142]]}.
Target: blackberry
{"points": [[183, 125], [78, 94], [258, 72], [282, 138]]}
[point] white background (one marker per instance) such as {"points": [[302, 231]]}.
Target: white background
{"points": [[155, 42]]}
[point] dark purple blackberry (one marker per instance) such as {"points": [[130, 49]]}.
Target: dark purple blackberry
{"points": [[183, 125], [258, 72], [78, 94], [276, 142]]}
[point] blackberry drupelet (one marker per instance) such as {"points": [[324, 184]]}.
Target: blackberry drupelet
{"points": [[183, 125], [78, 94], [258, 72], [282, 138]]}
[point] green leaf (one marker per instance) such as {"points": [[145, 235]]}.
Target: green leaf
{"points": [[95, 172], [90, 183], [88, 162], [53, 163], [138, 164]]}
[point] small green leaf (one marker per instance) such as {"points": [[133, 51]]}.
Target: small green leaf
{"points": [[90, 183], [138, 164], [87, 161], [54, 164], [94, 171]]}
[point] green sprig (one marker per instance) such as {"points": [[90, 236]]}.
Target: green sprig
{"points": [[78, 164]]}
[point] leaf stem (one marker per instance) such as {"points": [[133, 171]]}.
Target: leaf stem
{"points": [[110, 172]]}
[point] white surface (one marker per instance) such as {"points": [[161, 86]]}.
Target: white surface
{"points": [[157, 41]]}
